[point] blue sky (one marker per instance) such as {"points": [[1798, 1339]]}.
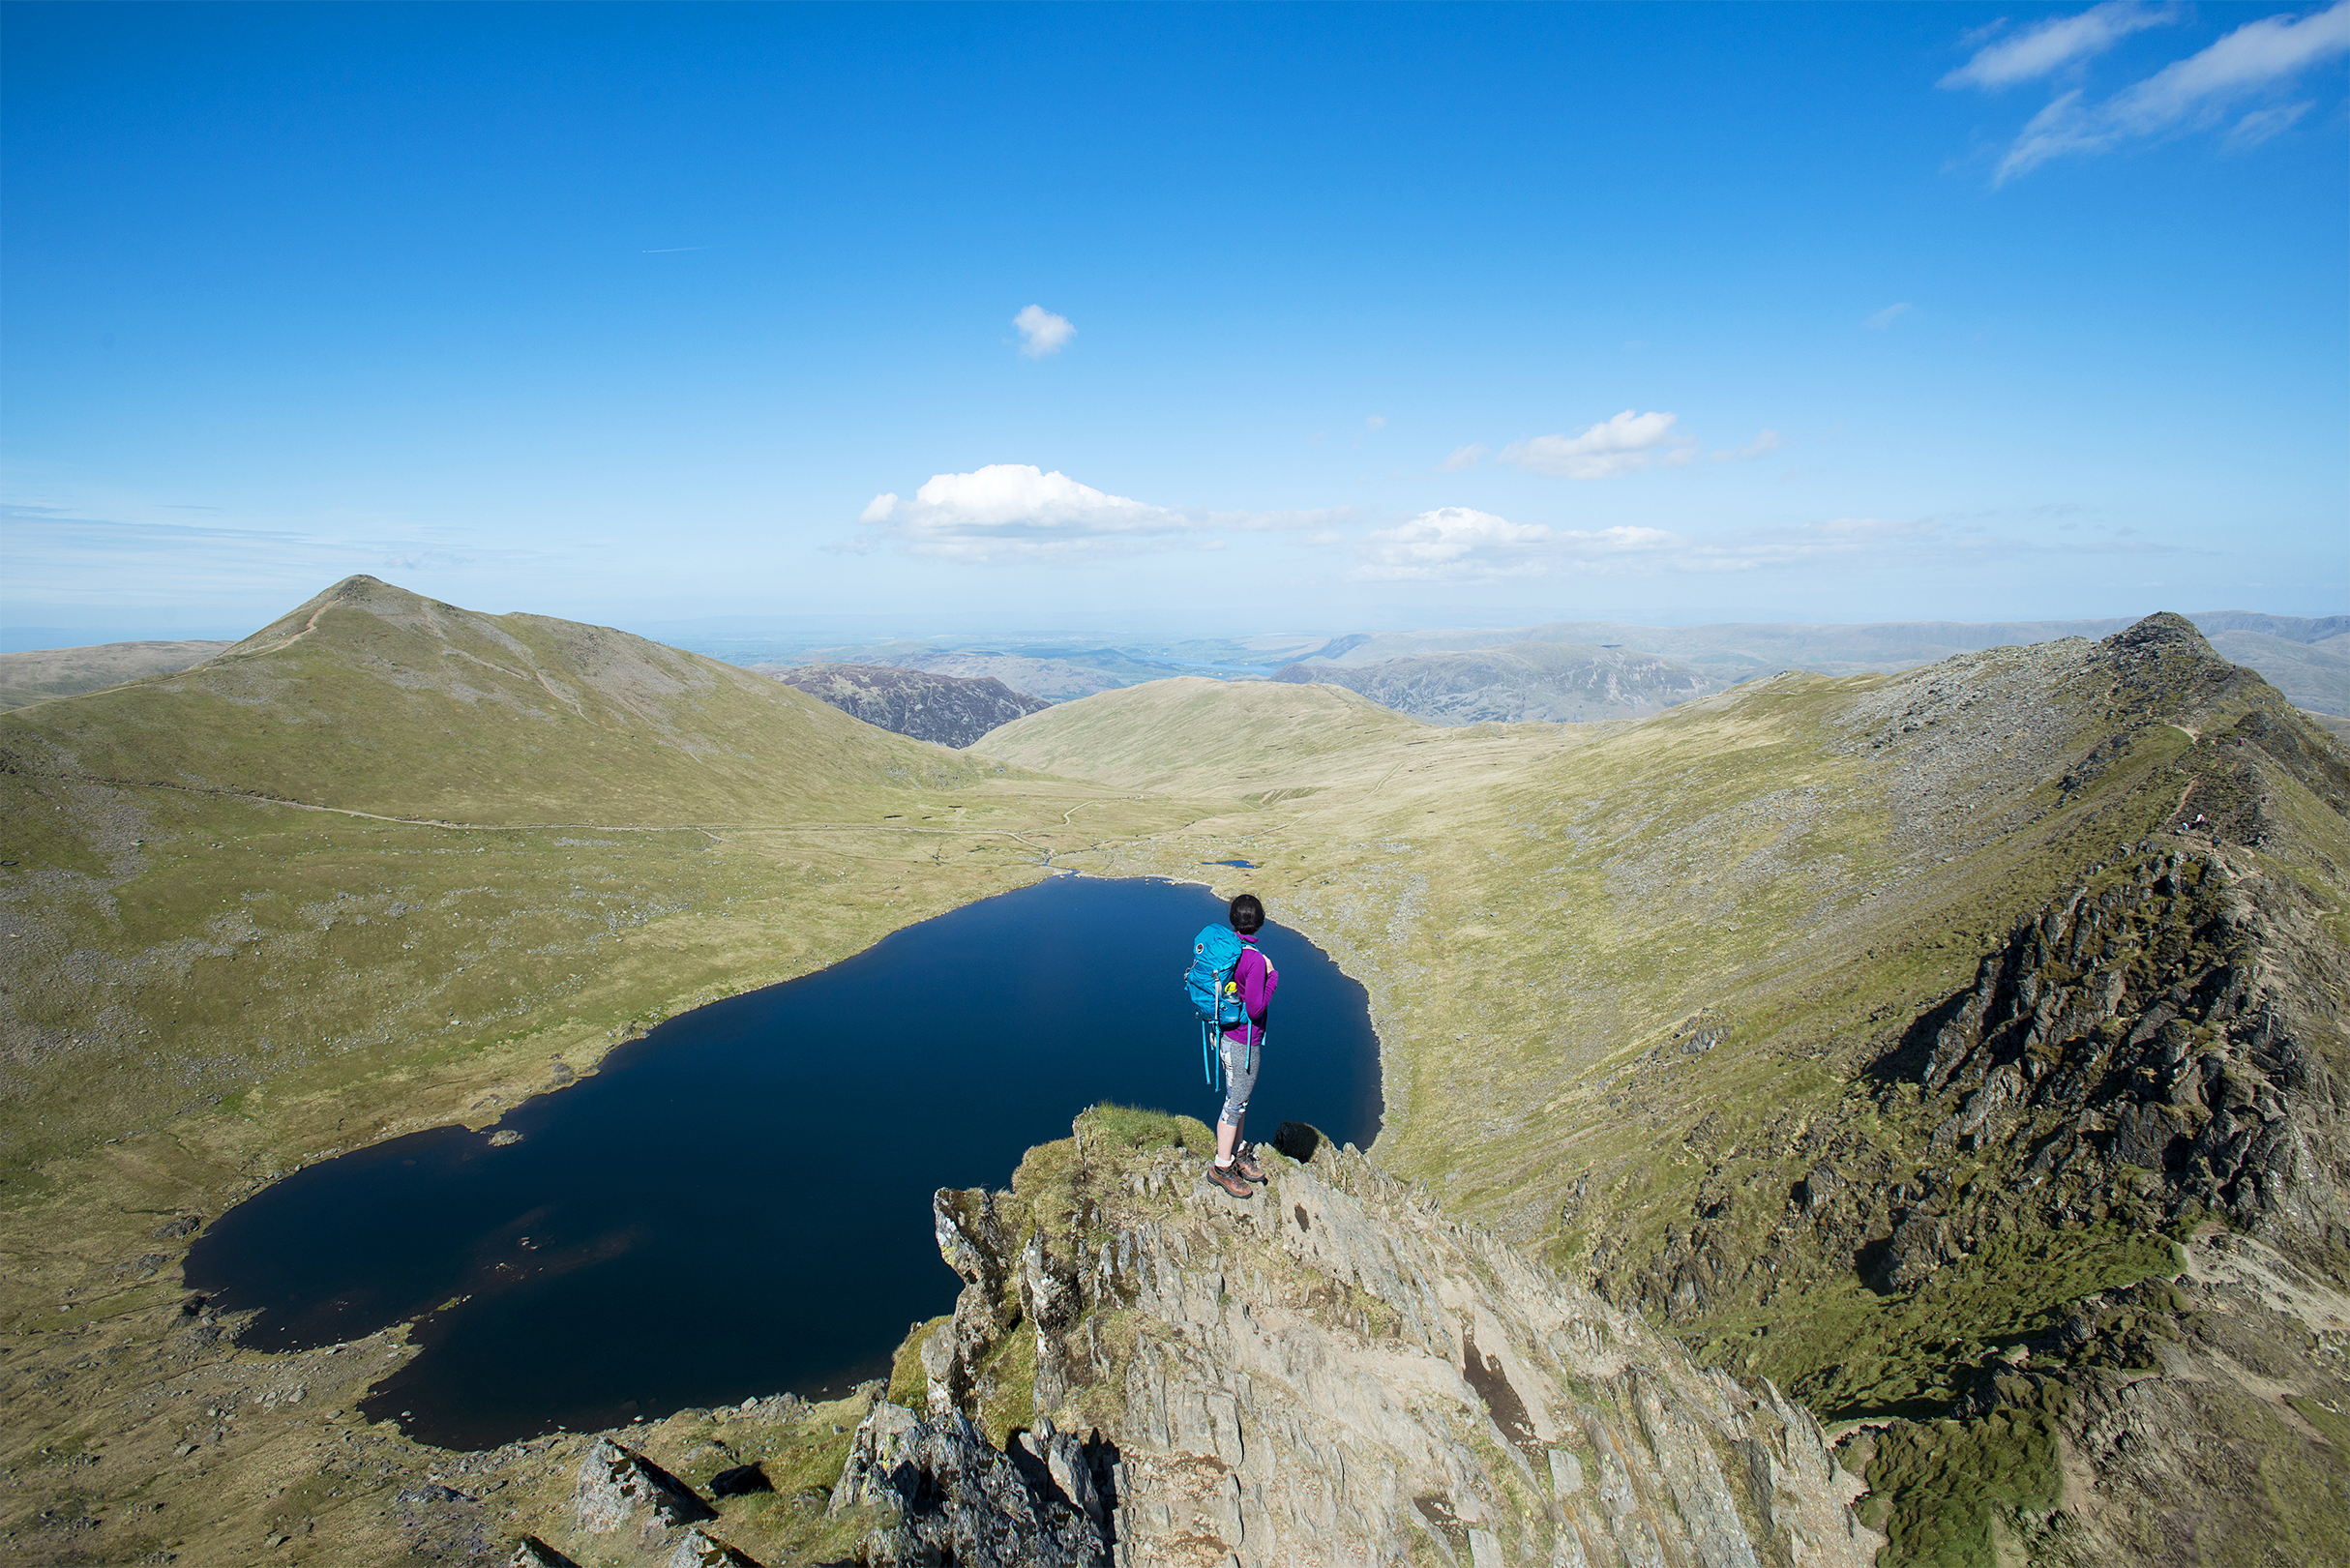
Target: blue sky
{"points": [[1175, 319]]}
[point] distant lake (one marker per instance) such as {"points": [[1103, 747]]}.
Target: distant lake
{"points": [[739, 1202]]}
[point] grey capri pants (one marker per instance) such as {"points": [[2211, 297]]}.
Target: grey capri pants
{"points": [[1240, 1065]]}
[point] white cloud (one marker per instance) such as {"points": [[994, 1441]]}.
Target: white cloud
{"points": [[1452, 541], [1012, 511], [1376, 422], [2189, 94], [1888, 316], [1763, 444], [2050, 46], [1621, 445], [1462, 458], [1041, 332]]}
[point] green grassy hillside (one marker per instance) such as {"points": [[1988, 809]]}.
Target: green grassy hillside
{"points": [[373, 699], [1198, 736]]}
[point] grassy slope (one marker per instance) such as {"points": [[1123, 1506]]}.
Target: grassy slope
{"points": [[1195, 735], [373, 699]]}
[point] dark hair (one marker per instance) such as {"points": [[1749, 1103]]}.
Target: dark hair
{"points": [[1247, 913]]}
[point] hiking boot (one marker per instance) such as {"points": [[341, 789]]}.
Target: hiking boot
{"points": [[1230, 1180], [1247, 1166]]}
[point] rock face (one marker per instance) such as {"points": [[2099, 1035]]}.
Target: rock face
{"points": [[950, 1496], [1332, 1372], [952, 710], [1563, 683]]}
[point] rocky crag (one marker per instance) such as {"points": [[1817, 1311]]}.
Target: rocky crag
{"points": [[950, 710], [1331, 1373]]}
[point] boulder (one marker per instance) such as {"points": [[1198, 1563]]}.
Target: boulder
{"points": [[699, 1549], [620, 1489]]}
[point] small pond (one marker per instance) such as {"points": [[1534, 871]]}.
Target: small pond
{"points": [[738, 1203]]}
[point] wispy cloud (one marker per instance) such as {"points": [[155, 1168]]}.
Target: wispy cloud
{"points": [[2193, 93], [2049, 45], [1462, 458], [1622, 445], [676, 250], [1463, 546], [1011, 513], [1885, 317], [1374, 421], [1763, 445], [1041, 332], [65, 556], [2260, 125]]}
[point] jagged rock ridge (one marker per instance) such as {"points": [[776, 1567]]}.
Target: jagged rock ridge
{"points": [[951, 710], [1333, 1372], [2154, 1057]]}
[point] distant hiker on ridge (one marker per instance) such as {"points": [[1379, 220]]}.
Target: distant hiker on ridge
{"points": [[1231, 984]]}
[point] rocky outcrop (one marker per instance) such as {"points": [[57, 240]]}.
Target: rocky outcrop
{"points": [[1564, 683], [1333, 1372], [620, 1492], [949, 1495], [952, 710]]}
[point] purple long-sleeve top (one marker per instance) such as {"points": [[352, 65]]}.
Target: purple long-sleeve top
{"points": [[1257, 978]]}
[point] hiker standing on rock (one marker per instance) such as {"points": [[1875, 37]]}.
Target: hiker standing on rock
{"points": [[1232, 985]]}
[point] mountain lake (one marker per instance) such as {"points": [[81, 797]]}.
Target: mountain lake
{"points": [[738, 1203]]}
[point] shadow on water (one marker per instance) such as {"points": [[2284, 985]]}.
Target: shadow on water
{"points": [[739, 1202]]}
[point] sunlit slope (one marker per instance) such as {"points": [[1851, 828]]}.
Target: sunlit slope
{"points": [[373, 699], [1192, 735]]}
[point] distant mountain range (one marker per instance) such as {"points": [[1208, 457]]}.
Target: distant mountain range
{"points": [[1562, 670], [1561, 682], [36, 677], [1591, 670]]}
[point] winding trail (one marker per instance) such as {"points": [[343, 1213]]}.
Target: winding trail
{"points": [[712, 829]]}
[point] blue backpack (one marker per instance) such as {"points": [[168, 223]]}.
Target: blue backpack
{"points": [[1213, 986]]}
